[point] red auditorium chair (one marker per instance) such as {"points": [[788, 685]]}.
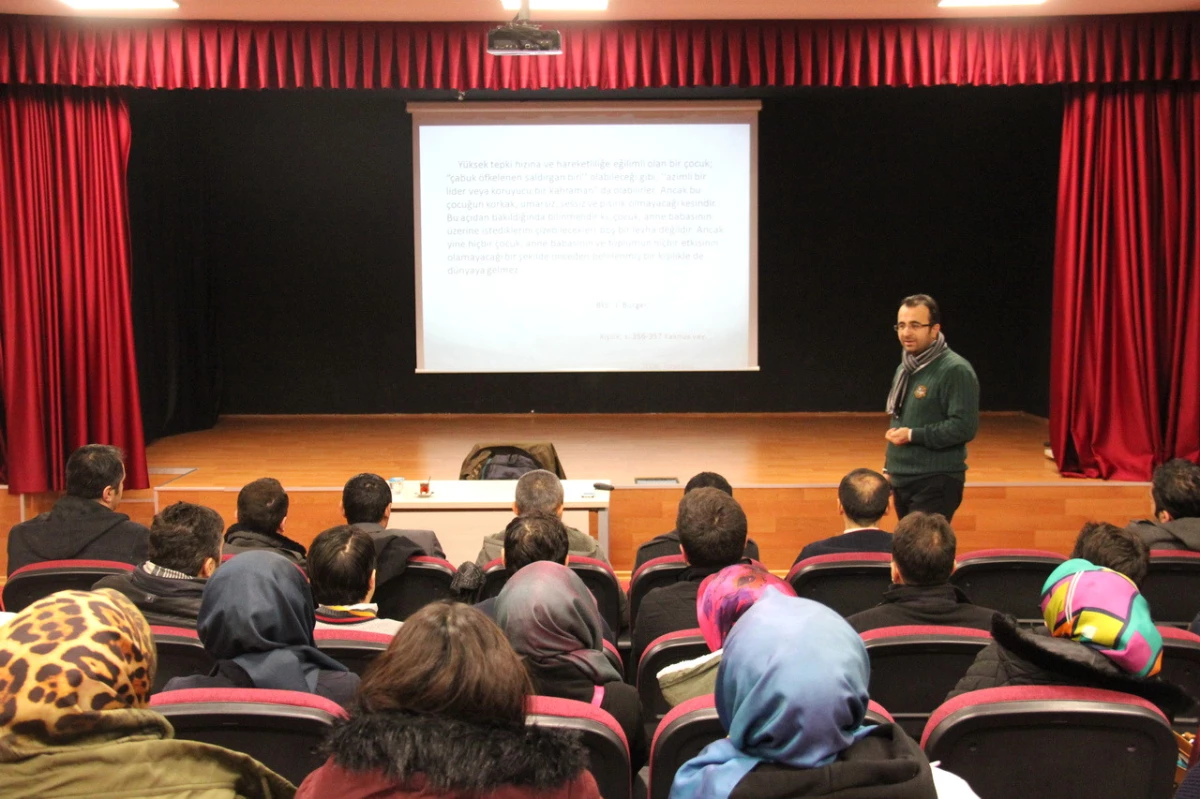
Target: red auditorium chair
{"points": [[614, 655], [354, 649], [280, 729], [228, 556], [180, 654], [601, 735], [913, 667], [654, 573], [1172, 586], [1007, 580], [30, 583], [1181, 666], [1033, 741], [424, 580], [848, 582], [597, 575], [666, 650]]}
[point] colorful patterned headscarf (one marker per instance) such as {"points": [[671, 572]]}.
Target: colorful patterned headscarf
{"points": [[1102, 608], [729, 593], [68, 659]]}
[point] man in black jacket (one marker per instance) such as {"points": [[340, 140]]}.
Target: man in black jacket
{"points": [[84, 524], [863, 497], [667, 544], [1175, 491], [262, 508]]}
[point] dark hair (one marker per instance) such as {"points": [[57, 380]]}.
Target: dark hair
{"points": [[184, 535], [1176, 489], [340, 562], [708, 480], [539, 491], [712, 528], [864, 496], [262, 505], [449, 660], [913, 300], [93, 468], [1113, 548], [533, 537], [923, 548], [365, 498]]}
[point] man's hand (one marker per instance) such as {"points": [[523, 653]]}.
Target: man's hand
{"points": [[899, 435]]}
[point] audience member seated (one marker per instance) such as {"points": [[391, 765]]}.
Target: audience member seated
{"points": [[792, 694], [76, 676], [923, 549], [185, 549], [712, 532], [1101, 636], [863, 497], [341, 568], [84, 524], [441, 713], [668, 543], [551, 621], [367, 506], [1112, 547], [724, 597], [262, 508], [256, 620], [540, 491], [1175, 492]]}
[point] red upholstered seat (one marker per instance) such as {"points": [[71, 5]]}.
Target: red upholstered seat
{"points": [[1181, 666], [354, 649], [1007, 580], [180, 654], [848, 582], [654, 573], [602, 736], [666, 650], [424, 580], [1172, 586], [597, 575], [30, 583]]}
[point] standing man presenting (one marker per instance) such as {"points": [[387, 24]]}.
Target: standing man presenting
{"points": [[934, 405]]}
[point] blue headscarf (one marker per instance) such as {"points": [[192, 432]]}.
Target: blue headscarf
{"points": [[792, 689], [257, 611]]}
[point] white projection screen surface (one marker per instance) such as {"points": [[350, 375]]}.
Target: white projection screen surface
{"points": [[586, 237]]}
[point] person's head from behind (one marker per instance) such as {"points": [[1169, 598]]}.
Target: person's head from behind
{"points": [[711, 527], [538, 491], [1175, 490], [708, 480], [366, 499], [262, 506], [1113, 548], [96, 471], [187, 538], [341, 566], [450, 661], [70, 659], [863, 497], [534, 537], [923, 550], [725, 597]]}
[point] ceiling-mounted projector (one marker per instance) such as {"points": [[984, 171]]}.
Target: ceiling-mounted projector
{"points": [[521, 37]]}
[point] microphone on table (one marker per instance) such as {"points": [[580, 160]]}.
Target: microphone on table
{"points": [[603, 486]]}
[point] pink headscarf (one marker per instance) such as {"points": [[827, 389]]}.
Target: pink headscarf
{"points": [[729, 593]]}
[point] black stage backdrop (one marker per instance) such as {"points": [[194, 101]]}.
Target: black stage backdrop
{"points": [[273, 255]]}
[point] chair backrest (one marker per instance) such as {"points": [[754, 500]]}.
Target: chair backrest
{"points": [[1007, 580], [848, 582], [30, 583], [913, 667], [425, 580], [354, 649], [1054, 741], [666, 650], [180, 654], [654, 573], [601, 735], [597, 575], [495, 577], [614, 655], [878, 714], [1172, 586], [1181, 666], [280, 729], [682, 733]]}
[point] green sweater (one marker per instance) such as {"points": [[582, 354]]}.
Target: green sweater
{"points": [[942, 409]]}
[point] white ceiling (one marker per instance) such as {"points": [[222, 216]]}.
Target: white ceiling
{"points": [[490, 10]]}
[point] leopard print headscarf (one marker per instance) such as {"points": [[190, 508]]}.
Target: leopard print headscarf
{"points": [[67, 659]]}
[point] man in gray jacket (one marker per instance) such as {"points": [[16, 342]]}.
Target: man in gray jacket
{"points": [[1175, 490]]}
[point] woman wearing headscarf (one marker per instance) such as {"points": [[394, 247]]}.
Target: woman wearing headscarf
{"points": [[256, 620], [551, 621], [75, 676], [792, 695], [1101, 636]]}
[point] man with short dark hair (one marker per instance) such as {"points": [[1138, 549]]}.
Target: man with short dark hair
{"points": [[540, 491], [862, 501], [923, 550], [534, 537], [341, 566], [367, 506], [83, 524], [667, 544], [1175, 492], [712, 532], [1113, 548], [185, 549], [262, 508]]}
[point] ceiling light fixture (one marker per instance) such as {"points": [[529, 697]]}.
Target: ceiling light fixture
{"points": [[121, 5], [558, 5], [987, 3]]}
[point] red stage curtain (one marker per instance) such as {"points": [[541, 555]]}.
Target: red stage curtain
{"points": [[67, 369], [621, 55], [1125, 369]]}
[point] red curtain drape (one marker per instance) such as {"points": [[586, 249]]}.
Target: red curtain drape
{"points": [[67, 369], [621, 55], [1125, 369]]}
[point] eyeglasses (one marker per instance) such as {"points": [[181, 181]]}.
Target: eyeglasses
{"points": [[915, 327]]}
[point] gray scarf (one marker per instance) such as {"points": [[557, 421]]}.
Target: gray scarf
{"points": [[911, 365]]}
